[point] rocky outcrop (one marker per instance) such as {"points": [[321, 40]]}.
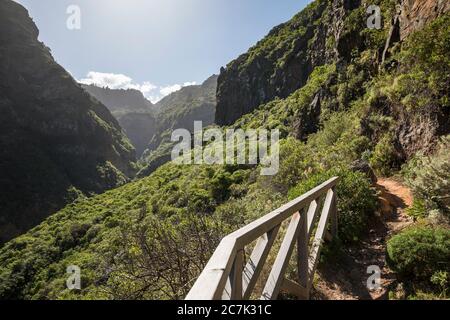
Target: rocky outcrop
{"points": [[55, 140], [281, 63], [308, 118], [415, 14], [420, 132], [275, 67], [364, 167]]}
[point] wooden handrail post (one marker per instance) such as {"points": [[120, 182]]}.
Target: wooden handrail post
{"points": [[276, 276], [256, 261], [334, 215], [236, 276], [303, 251]]}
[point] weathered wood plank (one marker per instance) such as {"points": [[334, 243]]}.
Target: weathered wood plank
{"points": [[226, 295], [303, 246], [320, 233], [236, 276], [312, 215], [211, 282], [275, 280], [295, 289], [215, 277], [254, 230], [256, 262], [334, 215]]}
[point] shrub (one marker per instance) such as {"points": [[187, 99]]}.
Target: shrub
{"points": [[441, 279], [356, 200], [430, 179], [295, 165], [419, 252], [384, 158], [417, 210]]}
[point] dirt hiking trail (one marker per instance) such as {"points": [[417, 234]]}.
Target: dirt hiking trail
{"points": [[346, 278]]}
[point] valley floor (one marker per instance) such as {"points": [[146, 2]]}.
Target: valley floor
{"points": [[346, 278]]}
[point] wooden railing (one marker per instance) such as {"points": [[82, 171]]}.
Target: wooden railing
{"points": [[231, 275]]}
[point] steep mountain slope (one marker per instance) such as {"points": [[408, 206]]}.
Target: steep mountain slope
{"points": [[179, 110], [368, 102], [322, 33], [149, 126], [54, 139], [133, 111], [276, 66], [191, 96]]}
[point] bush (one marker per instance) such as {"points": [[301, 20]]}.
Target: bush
{"points": [[417, 210], [430, 179], [441, 280], [356, 200], [419, 252], [384, 158], [295, 165]]}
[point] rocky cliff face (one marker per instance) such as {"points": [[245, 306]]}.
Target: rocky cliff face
{"points": [[415, 14], [281, 63], [322, 33], [325, 33], [55, 140]]}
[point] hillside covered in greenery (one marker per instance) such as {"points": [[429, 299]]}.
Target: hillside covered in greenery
{"points": [[366, 101], [55, 140]]}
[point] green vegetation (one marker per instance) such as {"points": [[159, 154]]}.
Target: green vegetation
{"points": [[420, 253], [90, 233], [357, 200], [429, 177], [281, 41], [150, 239], [281, 113], [384, 158], [417, 210]]}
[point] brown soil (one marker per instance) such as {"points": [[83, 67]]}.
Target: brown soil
{"points": [[346, 278]]}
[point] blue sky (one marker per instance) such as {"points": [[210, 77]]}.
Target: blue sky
{"points": [[155, 45]]}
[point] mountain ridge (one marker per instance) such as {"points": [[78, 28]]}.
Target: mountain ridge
{"points": [[49, 128], [119, 100]]}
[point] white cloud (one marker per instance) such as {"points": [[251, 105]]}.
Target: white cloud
{"points": [[120, 81], [110, 80], [147, 87], [169, 89]]}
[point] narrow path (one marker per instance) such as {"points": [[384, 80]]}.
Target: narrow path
{"points": [[346, 277]]}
